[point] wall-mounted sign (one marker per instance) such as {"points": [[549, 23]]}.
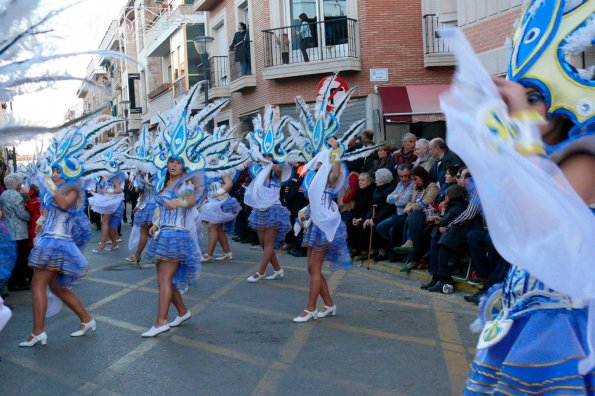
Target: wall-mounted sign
{"points": [[379, 74], [136, 110], [134, 76]]}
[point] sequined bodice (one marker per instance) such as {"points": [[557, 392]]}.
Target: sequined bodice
{"points": [[175, 218], [59, 223]]}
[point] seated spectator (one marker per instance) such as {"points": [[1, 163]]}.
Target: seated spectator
{"points": [[356, 236], [450, 179], [11, 204], [424, 195], [406, 154], [451, 240], [385, 161], [380, 211], [346, 199], [391, 229], [422, 152], [294, 199], [443, 159]]}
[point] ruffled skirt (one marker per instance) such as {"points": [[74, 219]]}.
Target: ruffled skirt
{"points": [[144, 216], [116, 219], [337, 252], [539, 355], [277, 216], [61, 256], [171, 244], [106, 204], [215, 211]]}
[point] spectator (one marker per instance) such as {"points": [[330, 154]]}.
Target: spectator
{"points": [[454, 204], [406, 154], [11, 204], [8, 255], [380, 211], [346, 199], [240, 44], [33, 206], [385, 160], [424, 195], [370, 160], [422, 152], [305, 36], [3, 173], [443, 159], [452, 242], [283, 43], [450, 179], [391, 229], [356, 237], [294, 200]]}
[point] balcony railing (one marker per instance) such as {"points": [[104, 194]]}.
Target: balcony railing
{"points": [[218, 72], [330, 39], [435, 44], [164, 21], [239, 63]]}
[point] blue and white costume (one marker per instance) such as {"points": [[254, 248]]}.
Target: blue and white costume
{"points": [[63, 237], [176, 238], [109, 202], [541, 340], [8, 255], [263, 193], [219, 209], [324, 229]]}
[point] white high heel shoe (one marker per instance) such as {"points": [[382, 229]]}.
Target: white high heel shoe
{"points": [[43, 338], [326, 311], [309, 315], [276, 275], [224, 256], [86, 326], [206, 258]]}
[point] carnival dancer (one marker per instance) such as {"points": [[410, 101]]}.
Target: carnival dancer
{"points": [[109, 201], [182, 158], [325, 235], [57, 258], [145, 208], [269, 171], [541, 340], [220, 211], [8, 255]]}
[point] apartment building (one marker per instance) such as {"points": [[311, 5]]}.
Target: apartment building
{"points": [[381, 53]]}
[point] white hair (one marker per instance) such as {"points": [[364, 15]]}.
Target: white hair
{"points": [[12, 181], [383, 176], [423, 143], [408, 136]]}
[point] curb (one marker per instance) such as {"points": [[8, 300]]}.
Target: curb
{"points": [[423, 276]]}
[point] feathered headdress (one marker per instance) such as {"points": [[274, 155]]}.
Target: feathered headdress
{"points": [[269, 137], [315, 129], [549, 33], [190, 143], [142, 153], [65, 152]]}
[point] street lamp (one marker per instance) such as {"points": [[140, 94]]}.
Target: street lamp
{"points": [[202, 45], [125, 106]]}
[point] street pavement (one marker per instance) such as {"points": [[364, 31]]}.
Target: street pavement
{"points": [[389, 337]]}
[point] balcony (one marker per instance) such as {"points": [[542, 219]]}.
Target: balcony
{"points": [[437, 50], [240, 69], [180, 87], [166, 24], [204, 5], [334, 45], [161, 101], [218, 77]]}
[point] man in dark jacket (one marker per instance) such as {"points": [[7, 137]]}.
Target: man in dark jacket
{"points": [[444, 158], [294, 200]]}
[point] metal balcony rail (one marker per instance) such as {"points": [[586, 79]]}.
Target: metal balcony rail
{"points": [[435, 44], [330, 39], [218, 72], [240, 61]]}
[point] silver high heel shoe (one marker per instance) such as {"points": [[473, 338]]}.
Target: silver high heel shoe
{"points": [[86, 326], [43, 338]]}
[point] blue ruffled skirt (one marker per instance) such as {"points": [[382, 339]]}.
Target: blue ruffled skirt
{"points": [[61, 256], [8, 251], [81, 231], [116, 219], [277, 216], [539, 355], [337, 252], [171, 244], [144, 216], [215, 211]]}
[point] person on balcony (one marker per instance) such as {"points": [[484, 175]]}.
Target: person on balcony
{"points": [[305, 35], [240, 46]]}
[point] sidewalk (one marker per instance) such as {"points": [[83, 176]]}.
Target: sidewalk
{"points": [[423, 276]]}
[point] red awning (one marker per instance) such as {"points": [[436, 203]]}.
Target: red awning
{"points": [[412, 103]]}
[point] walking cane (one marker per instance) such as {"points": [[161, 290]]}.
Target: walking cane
{"points": [[371, 234]]}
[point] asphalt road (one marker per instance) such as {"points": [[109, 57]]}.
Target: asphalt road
{"points": [[389, 337]]}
